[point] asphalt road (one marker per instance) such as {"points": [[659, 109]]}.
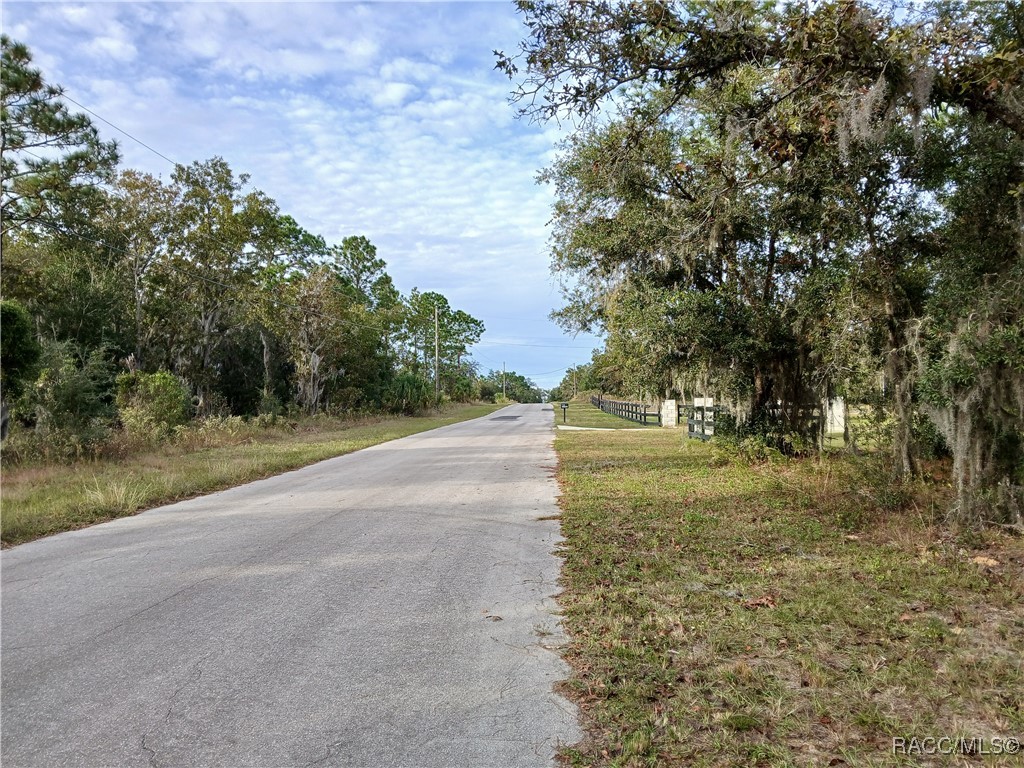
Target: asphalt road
{"points": [[392, 607]]}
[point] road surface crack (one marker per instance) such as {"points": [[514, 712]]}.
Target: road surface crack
{"points": [[330, 753], [151, 753]]}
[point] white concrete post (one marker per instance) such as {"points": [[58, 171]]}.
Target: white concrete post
{"points": [[669, 413]]}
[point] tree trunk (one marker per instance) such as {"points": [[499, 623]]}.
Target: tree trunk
{"points": [[266, 363], [138, 319], [898, 371], [849, 441]]}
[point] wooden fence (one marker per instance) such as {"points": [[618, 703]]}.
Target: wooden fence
{"points": [[626, 410], [700, 419], [699, 416]]}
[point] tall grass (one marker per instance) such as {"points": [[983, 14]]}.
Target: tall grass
{"points": [[41, 498]]}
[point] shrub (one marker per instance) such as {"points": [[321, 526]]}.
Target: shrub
{"points": [[67, 411], [488, 389], [151, 405], [409, 394], [19, 350]]}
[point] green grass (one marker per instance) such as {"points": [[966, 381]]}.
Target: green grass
{"points": [[42, 500], [782, 614], [582, 414]]}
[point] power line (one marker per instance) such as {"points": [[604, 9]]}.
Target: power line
{"points": [[122, 130], [178, 268], [176, 164], [545, 373]]}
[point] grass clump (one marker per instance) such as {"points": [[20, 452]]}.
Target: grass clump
{"points": [[778, 613]]}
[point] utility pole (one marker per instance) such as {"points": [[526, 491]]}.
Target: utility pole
{"points": [[437, 357], [503, 379]]}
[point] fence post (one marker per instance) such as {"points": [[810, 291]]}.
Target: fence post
{"points": [[669, 413]]}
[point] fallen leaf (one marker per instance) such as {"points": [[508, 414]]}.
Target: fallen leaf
{"points": [[852, 537], [982, 560], [765, 601]]}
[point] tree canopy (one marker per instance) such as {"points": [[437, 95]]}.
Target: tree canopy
{"points": [[50, 158], [779, 203]]}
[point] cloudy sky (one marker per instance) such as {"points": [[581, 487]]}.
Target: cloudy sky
{"points": [[380, 119]]}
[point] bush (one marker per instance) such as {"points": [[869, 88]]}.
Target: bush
{"points": [[463, 390], [409, 394], [67, 411], [151, 405], [488, 389], [19, 350]]}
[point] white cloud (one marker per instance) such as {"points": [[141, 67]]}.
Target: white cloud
{"points": [[76, 14], [112, 48], [392, 94], [385, 120]]}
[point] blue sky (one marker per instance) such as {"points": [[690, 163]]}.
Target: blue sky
{"points": [[380, 119]]}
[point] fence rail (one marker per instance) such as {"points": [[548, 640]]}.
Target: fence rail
{"points": [[698, 417], [700, 420], [626, 410]]}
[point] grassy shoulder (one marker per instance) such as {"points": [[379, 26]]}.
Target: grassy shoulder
{"points": [[581, 413], [782, 614], [42, 500]]}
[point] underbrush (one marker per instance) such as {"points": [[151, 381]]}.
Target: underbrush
{"points": [[34, 447], [781, 612], [133, 473]]}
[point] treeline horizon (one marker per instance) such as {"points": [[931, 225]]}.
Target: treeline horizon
{"points": [[194, 296]]}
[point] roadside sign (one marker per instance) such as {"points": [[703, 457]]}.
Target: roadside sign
{"points": [[565, 407]]}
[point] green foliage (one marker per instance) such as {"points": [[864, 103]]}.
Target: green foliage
{"points": [[429, 318], [19, 350], [462, 390], [198, 281], [515, 387], [488, 390], [577, 379], [409, 394], [68, 410], [358, 266], [151, 405], [50, 156]]}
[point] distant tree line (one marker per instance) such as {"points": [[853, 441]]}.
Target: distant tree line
{"points": [[130, 299], [784, 202], [511, 386]]}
